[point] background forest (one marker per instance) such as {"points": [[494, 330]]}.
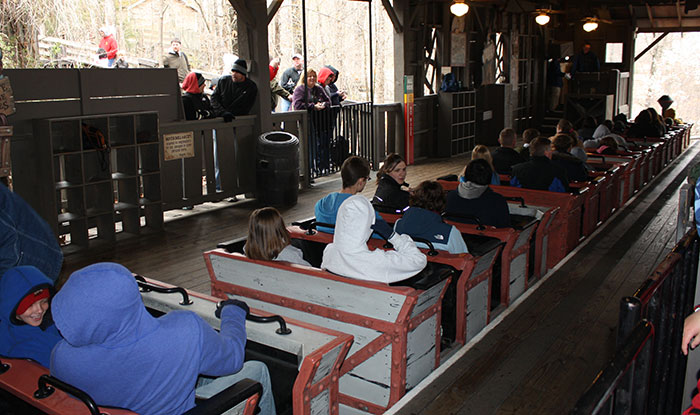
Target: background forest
{"points": [[337, 34]]}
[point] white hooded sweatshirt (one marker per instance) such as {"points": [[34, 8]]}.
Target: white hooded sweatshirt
{"points": [[349, 255]]}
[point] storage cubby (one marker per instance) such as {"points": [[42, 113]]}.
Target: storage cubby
{"points": [[149, 160], [457, 126], [66, 136], [146, 128], [106, 172], [123, 162], [68, 170], [121, 131]]}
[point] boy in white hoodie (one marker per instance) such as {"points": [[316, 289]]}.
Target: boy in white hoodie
{"points": [[349, 255]]}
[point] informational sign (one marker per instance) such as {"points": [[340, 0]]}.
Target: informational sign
{"points": [[408, 116], [7, 103], [178, 145]]}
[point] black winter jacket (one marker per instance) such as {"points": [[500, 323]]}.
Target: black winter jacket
{"points": [[389, 197]]}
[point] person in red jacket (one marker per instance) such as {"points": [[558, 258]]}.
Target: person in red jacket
{"points": [[109, 45]]}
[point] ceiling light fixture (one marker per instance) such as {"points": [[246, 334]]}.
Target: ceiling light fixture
{"points": [[459, 8], [590, 25], [542, 19]]}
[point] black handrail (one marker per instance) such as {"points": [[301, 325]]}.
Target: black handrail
{"points": [[310, 226], [479, 225], [47, 383], [431, 249], [4, 367], [600, 394], [146, 287], [283, 329]]}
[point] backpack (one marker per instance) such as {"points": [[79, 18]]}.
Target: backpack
{"points": [[449, 83]]}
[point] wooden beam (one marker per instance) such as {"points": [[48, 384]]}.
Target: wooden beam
{"points": [[678, 11], [650, 15], [392, 16], [272, 9], [648, 48], [243, 12]]}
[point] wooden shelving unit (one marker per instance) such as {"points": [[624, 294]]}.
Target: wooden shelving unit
{"points": [[457, 126], [106, 173]]}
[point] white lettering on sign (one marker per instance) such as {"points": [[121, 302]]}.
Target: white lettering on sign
{"points": [[178, 145]]}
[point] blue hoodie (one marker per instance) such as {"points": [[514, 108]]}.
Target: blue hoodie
{"points": [[25, 238], [18, 339], [423, 223], [326, 209], [122, 356]]}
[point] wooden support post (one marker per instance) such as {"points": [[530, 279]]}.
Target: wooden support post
{"points": [[272, 9], [398, 28], [252, 46]]}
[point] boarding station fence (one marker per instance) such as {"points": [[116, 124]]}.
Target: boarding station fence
{"points": [[647, 372], [100, 153]]}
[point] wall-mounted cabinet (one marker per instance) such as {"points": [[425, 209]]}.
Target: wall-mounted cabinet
{"points": [[457, 126], [106, 174]]}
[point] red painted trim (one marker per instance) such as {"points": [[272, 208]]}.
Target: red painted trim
{"points": [[21, 380], [250, 405]]}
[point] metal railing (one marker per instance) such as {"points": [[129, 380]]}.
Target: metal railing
{"points": [[664, 300]]}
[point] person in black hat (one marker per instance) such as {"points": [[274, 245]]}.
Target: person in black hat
{"points": [[235, 93]]}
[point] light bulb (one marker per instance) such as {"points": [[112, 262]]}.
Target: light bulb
{"points": [[459, 8], [590, 26], [542, 19]]}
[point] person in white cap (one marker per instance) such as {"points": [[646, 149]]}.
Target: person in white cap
{"points": [[349, 256], [289, 79]]}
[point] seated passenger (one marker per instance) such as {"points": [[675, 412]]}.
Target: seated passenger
{"points": [[422, 220], [540, 173], [25, 238], [587, 129], [505, 156], [608, 145], [561, 156], [390, 196], [482, 152], [646, 124], [528, 135], [268, 238], [26, 329], [607, 128], [565, 127], [349, 256], [355, 175], [473, 197], [120, 355]]}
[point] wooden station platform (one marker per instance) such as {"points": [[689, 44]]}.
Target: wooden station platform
{"points": [[545, 351]]}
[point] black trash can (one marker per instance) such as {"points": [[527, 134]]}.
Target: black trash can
{"points": [[277, 171]]}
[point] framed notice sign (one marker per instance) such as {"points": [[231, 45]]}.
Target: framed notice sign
{"points": [[7, 103], [178, 145]]}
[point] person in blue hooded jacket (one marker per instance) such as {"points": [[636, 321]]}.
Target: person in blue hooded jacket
{"points": [[118, 353], [355, 175], [423, 220], [26, 329], [25, 238]]}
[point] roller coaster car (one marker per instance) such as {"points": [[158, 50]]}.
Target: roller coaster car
{"points": [[396, 329], [564, 233], [466, 305], [27, 388], [303, 359]]}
